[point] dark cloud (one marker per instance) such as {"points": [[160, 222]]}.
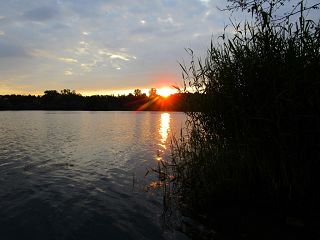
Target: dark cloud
{"points": [[41, 14], [10, 50]]}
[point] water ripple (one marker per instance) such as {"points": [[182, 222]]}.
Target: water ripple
{"points": [[80, 175]]}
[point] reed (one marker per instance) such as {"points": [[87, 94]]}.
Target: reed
{"points": [[249, 158]]}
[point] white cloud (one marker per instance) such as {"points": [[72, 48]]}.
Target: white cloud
{"points": [[116, 56], [166, 20], [68, 60], [205, 2], [2, 33], [83, 48], [87, 67], [81, 51], [68, 72]]}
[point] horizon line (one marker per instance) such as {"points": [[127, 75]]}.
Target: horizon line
{"points": [[102, 92]]}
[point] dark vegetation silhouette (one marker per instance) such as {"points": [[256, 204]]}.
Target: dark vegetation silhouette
{"points": [[70, 100], [248, 164]]}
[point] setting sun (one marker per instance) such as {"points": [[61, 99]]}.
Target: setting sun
{"points": [[165, 92]]}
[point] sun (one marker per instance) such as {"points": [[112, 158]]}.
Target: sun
{"points": [[166, 92]]}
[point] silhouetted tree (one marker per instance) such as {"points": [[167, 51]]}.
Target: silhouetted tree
{"points": [[51, 93], [68, 92], [152, 92], [137, 92]]}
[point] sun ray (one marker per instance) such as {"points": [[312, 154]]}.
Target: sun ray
{"points": [[166, 92]]}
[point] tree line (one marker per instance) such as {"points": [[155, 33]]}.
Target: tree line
{"points": [[68, 99]]}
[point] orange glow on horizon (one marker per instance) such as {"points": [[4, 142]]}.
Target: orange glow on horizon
{"points": [[162, 91], [166, 92]]}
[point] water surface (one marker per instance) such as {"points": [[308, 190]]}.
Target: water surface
{"points": [[80, 175]]}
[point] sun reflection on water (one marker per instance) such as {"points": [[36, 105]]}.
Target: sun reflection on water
{"points": [[164, 128], [163, 132]]}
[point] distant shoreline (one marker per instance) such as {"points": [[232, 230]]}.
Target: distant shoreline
{"points": [[79, 110], [71, 101]]}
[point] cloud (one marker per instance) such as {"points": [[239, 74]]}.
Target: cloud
{"points": [[83, 48], [68, 60], [166, 20], [41, 53], [205, 2], [11, 50], [41, 14], [68, 72], [116, 56], [87, 67], [97, 38]]}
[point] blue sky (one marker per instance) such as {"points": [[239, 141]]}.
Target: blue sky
{"points": [[96, 46]]}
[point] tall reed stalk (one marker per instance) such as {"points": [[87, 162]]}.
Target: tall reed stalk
{"points": [[252, 148]]}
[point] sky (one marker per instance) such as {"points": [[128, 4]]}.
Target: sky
{"points": [[101, 46]]}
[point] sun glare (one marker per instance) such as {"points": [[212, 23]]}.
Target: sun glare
{"points": [[164, 127], [165, 92]]}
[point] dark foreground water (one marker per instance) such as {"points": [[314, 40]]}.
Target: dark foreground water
{"points": [[80, 175]]}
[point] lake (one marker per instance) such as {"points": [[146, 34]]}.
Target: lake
{"points": [[80, 175]]}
